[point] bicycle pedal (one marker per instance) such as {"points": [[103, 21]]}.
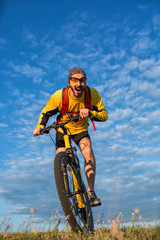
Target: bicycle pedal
{"points": [[95, 205]]}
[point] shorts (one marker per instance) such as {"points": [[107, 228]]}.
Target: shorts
{"points": [[76, 138]]}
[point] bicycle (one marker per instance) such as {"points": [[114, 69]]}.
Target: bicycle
{"points": [[69, 182]]}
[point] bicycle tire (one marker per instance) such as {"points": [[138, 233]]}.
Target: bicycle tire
{"points": [[80, 219]]}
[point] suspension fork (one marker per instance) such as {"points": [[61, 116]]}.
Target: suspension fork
{"points": [[76, 175]]}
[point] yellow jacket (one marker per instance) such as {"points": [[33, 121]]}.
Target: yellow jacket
{"points": [[54, 105]]}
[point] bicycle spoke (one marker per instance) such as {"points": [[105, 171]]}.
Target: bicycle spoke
{"points": [[73, 199], [73, 195]]}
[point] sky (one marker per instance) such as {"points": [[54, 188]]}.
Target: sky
{"points": [[117, 44]]}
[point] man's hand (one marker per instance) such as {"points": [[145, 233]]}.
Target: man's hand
{"points": [[36, 131], [84, 113]]}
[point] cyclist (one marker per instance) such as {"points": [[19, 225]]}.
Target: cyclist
{"points": [[78, 131]]}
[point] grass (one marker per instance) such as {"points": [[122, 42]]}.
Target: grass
{"points": [[136, 233], [115, 230]]}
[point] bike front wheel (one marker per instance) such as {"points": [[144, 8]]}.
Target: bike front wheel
{"points": [[75, 202]]}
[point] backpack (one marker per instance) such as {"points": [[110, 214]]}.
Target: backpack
{"points": [[65, 102]]}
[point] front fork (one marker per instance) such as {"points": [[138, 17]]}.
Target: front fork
{"points": [[75, 176]]}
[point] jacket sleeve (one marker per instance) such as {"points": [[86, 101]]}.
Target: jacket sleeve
{"points": [[52, 107], [98, 111]]}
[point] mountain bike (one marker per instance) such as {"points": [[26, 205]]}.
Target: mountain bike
{"points": [[69, 182]]}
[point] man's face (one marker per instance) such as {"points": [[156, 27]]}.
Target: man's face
{"points": [[77, 84]]}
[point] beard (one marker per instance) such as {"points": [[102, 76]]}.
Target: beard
{"points": [[77, 91]]}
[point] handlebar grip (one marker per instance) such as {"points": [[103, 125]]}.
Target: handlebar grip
{"points": [[45, 130]]}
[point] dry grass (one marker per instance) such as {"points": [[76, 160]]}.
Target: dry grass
{"points": [[137, 233], [113, 231]]}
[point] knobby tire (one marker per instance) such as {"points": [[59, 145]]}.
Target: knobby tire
{"points": [[78, 219]]}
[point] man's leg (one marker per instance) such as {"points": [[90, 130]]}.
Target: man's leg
{"points": [[60, 150], [90, 164], [90, 169], [60, 146]]}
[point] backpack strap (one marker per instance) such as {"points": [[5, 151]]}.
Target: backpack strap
{"points": [[65, 100], [87, 97], [88, 102], [65, 103]]}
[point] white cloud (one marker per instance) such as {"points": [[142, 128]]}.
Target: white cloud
{"points": [[125, 130], [147, 88], [28, 71], [101, 136], [156, 22], [30, 37], [132, 63], [155, 130], [143, 6], [3, 43], [32, 178], [155, 115], [142, 44], [153, 72], [147, 150], [120, 114], [141, 120], [119, 55], [144, 64], [4, 125], [51, 51], [34, 56], [146, 118], [2, 105]]}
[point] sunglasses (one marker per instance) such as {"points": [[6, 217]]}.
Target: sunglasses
{"points": [[75, 80]]}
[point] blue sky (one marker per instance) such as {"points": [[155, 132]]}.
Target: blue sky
{"points": [[117, 44]]}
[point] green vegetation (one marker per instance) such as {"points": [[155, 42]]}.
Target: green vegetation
{"points": [[130, 233], [115, 230]]}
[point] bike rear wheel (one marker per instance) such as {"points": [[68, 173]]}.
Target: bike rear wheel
{"points": [[79, 217]]}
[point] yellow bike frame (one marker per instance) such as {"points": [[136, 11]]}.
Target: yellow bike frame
{"points": [[74, 178]]}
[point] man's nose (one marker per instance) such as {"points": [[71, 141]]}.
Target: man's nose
{"points": [[79, 83]]}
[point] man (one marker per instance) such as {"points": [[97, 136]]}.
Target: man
{"points": [[79, 131]]}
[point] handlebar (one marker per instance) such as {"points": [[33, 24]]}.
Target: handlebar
{"points": [[56, 125]]}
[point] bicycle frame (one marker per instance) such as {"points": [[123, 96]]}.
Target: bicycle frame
{"points": [[70, 185], [76, 171]]}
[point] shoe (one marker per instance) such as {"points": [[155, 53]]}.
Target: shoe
{"points": [[94, 200]]}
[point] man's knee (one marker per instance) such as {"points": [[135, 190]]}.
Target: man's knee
{"points": [[61, 149], [85, 144], [87, 152]]}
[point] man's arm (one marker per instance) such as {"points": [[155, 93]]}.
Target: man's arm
{"points": [[98, 111], [36, 131], [51, 108]]}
